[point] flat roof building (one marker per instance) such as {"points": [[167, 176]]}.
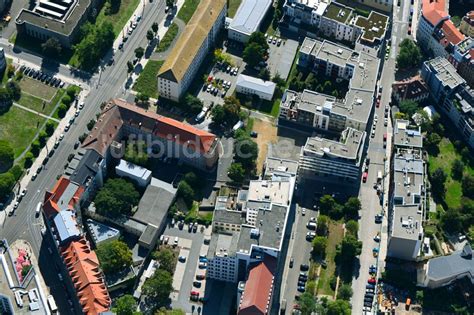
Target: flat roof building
{"points": [[100, 232], [247, 19], [138, 174], [254, 86], [194, 43], [405, 137]]}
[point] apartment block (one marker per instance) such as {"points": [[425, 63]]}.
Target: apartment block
{"points": [[319, 111], [454, 98], [467, 24], [304, 12], [60, 19], [329, 160], [194, 44]]}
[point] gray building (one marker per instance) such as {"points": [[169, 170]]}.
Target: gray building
{"points": [[101, 233], [324, 112], [255, 86], [248, 19], [454, 97], [406, 137], [60, 19], [304, 12], [335, 161]]}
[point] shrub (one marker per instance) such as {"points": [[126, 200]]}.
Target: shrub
{"points": [[62, 109], [66, 100], [35, 148], [28, 160]]}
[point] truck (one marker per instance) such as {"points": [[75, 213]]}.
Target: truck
{"points": [[38, 208], [52, 304], [283, 307], [379, 176]]}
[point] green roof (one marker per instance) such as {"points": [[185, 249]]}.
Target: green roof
{"points": [[338, 12], [374, 26]]}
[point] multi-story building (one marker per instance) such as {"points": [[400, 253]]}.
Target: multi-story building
{"points": [[405, 137], [254, 86], [247, 19], [304, 12], [467, 24], [413, 89], [454, 98], [462, 58], [383, 5], [60, 19], [319, 111], [85, 279], [436, 33], [329, 160], [195, 42], [121, 120]]}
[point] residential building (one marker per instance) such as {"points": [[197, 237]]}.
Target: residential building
{"points": [[256, 297], [467, 24], [254, 86], [121, 120], [338, 22], [319, 111], [247, 19], [383, 5], [445, 270], [60, 19], [195, 42], [85, 281], [139, 175], [406, 137], [462, 58], [304, 12], [454, 98], [412, 89], [436, 33], [274, 166], [329, 160]]}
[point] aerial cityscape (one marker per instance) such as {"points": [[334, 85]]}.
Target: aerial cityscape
{"points": [[249, 157]]}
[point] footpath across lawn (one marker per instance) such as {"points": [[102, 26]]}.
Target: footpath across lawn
{"points": [[336, 234], [147, 81]]}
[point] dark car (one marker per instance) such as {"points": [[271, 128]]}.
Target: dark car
{"points": [[76, 145], [46, 159], [302, 278], [301, 283], [368, 304], [301, 289], [200, 277], [197, 284], [50, 154], [370, 286], [304, 267]]}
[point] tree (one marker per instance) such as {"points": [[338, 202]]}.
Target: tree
{"points": [[14, 90], [193, 104], [142, 100], [150, 35], [28, 160], [66, 100], [438, 178], [125, 305], [350, 248], [114, 256], [62, 109], [231, 110], [352, 227], [139, 52], [90, 124], [96, 41], [307, 303], [116, 197], [170, 3], [49, 128], [6, 155], [16, 171], [130, 67], [322, 227], [352, 207], [192, 180], [218, 115], [457, 169], [35, 148], [409, 55], [154, 27], [432, 141], [468, 186], [186, 192], [71, 91], [253, 54], [158, 287], [408, 107], [42, 138], [236, 172], [326, 204], [278, 80], [451, 221], [52, 47], [246, 152], [264, 74], [319, 245], [259, 39], [10, 70], [338, 307], [5, 100], [166, 258], [344, 292], [6, 184]]}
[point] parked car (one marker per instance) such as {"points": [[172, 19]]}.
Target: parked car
{"points": [[310, 236], [200, 277], [197, 284], [292, 261], [304, 267], [182, 259], [301, 289]]}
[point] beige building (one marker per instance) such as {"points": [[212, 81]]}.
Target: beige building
{"points": [[467, 24], [197, 39]]}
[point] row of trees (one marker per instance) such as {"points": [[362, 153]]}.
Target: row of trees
{"points": [[246, 154], [310, 305]]}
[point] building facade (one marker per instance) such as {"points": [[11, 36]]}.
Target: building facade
{"points": [[254, 86], [248, 19], [194, 44], [467, 24], [304, 12]]}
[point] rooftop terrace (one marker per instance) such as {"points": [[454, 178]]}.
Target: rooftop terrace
{"points": [[373, 27], [338, 12]]}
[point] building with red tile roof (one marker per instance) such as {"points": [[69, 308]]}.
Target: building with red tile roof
{"points": [[434, 11], [413, 89], [64, 196], [257, 296], [176, 139], [84, 269]]}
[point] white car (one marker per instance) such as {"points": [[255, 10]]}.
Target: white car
{"points": [[385, 122], [81, 105], [303, 212], [61, 136], [270, 39]]}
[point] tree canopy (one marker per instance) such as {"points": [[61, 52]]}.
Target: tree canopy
{"points": [[409, 55], [167, 259], [116, 197], [192, 104], [6, 155], [158, 287], [236, 172], [126, 305], [96, 40], [7, 180], [468, 186], [319, 245], [408, 107], [227, 114], [52, 47], [438, 178], [352, 207], [255, 49], [338, 307], [114, 256]]}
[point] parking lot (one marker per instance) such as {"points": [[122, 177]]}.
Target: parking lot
{"points": [[281, 57]]}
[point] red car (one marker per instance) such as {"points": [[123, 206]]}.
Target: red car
{"points": [[372, 281], [378, 103], [409, 31], [194, 293], [364, 177]]}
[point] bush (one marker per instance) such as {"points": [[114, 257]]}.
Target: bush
{"points": [[62, 109], [35, 148], [28, 160], [66, 100], [16, 171]]}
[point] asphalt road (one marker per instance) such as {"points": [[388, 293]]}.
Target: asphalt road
{"points": [[369, 199], [24, 224]]}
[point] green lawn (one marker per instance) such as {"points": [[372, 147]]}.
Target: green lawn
{"points": [[37, 88], [168, 38], [119, 18], [36, 104], [233, 5], [187, 10], [335, 237], [444, 160], [18, 127], [147, 82]]}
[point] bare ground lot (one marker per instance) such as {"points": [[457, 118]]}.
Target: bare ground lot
{"points": [[267, 134]]}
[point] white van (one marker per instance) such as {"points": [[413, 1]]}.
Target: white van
{"points": [[52, 304], [38, 208], [379, 176]]}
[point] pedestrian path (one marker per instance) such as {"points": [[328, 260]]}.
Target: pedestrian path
{"points": [[35, 112], [159, 56]]}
